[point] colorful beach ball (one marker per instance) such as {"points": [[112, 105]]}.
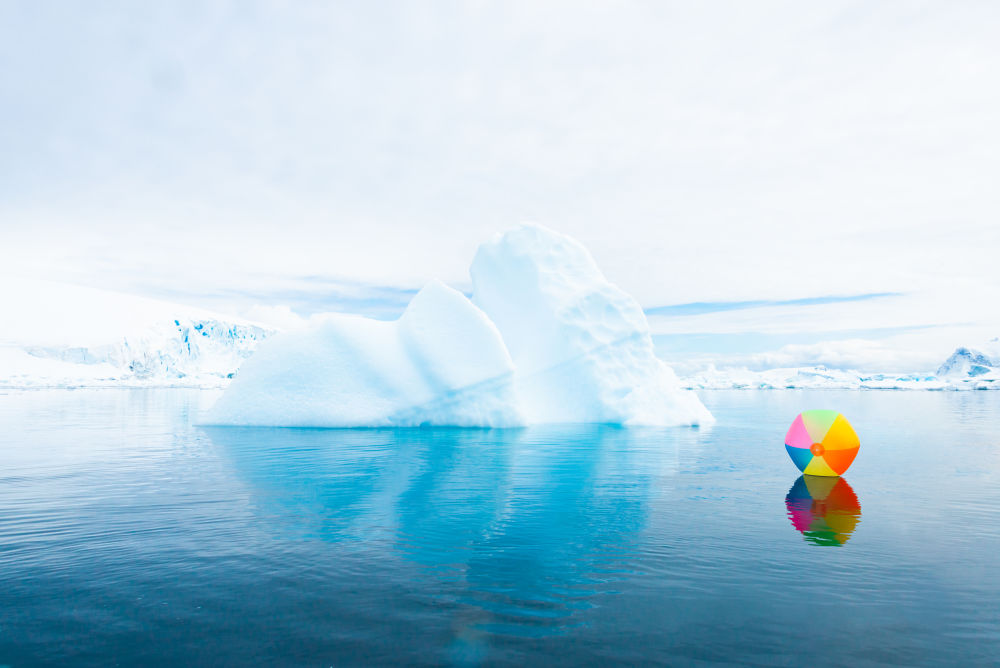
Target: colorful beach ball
{"points": [[825, 510], [822, 443]]}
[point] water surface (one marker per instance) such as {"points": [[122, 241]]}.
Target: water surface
{"points": [[130, 535]]}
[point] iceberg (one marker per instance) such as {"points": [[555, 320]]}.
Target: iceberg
{"points": [[581, 346], [544, 339], [441, 363]]}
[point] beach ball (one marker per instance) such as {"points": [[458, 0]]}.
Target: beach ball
{"points": [[824, 510], [822, 443]]}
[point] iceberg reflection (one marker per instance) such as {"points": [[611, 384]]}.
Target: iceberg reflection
{"points": [[518, 528]]}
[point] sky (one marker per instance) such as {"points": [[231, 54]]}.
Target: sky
{"points": [[340, 155]]}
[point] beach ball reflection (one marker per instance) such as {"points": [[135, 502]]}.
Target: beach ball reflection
{"points": [[826, 510]]}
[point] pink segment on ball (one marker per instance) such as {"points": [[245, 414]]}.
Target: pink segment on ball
{"points": [[797, 436]]}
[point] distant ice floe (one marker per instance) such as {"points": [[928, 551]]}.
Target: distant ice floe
{"points": [[821, 377], [546, 338]]}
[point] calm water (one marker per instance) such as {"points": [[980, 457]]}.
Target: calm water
{"points": [[130, 535]]}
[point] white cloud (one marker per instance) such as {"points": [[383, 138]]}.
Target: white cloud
{"points": [[856, 354], [717, 151]]}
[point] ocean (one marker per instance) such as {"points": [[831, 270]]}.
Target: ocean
{"points": [[130, 535]]}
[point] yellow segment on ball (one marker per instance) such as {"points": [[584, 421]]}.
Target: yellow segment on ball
{"points": [[818, 466], [841, 436]]}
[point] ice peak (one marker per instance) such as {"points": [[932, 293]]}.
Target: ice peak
{"points": [[546, 339]]}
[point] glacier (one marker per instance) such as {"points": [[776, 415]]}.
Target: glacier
{"points": [[59, 335], [544, 339]]}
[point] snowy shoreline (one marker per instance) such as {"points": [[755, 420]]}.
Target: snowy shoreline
{"points": [[544, 323], [822, 378], [971, 385]]}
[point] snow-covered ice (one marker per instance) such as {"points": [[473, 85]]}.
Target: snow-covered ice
{"points": [[802, 378], [973, 368], [441, 363], [972, 363], [822, 377], [581, 346], [546, 338], [58, 335]]}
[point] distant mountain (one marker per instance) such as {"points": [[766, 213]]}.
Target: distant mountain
{"points": [[971, 363]]}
